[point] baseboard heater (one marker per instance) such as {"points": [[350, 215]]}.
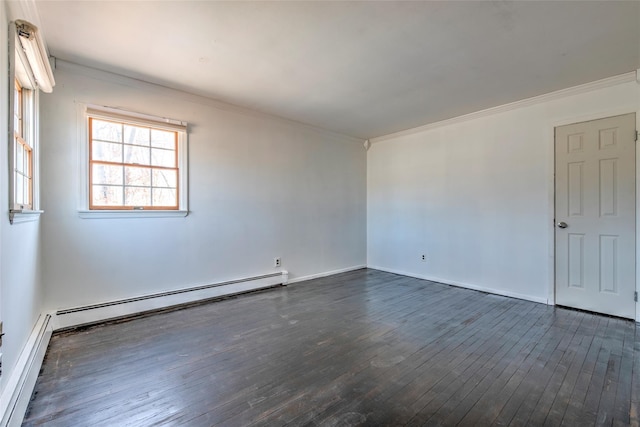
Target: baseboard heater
{"points": [[93, 313]]}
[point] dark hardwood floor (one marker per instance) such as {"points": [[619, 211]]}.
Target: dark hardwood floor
{"points": [[359, 348]]}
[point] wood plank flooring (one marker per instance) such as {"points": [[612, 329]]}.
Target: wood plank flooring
{"points": [[359, 348]]}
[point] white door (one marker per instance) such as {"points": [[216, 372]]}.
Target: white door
{"points": [[595, 215]]}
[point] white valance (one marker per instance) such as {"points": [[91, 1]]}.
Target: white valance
{"points": [[33, 68]]}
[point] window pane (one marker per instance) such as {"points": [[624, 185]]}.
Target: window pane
{"points": [[107, 131], [136, 135], [164, 197], [19, 186], [163, 158], [137, 176], [107, 195], [165, 178], [106, 151], [163, 139], [19, 157], [17, 112], [134, 154], [26, 191], [135, 196], [106, 174], [26, 167]]}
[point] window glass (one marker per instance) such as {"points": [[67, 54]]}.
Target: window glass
{"points": [[22, 150], [132, 166]]}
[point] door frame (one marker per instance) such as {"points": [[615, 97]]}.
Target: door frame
{"points": [[551, 297]]}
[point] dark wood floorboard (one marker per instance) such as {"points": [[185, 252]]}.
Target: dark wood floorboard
{"points": [[359, 348]]}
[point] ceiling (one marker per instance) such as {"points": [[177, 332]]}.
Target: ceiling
{"points": [[363, 69]]}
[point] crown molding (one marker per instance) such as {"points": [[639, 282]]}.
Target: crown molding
{"points": [[575, 90]]}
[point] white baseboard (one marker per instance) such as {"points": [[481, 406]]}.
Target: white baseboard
{"points": [[17, 393], [464, 285], [78, 316], [326, 273], [114, 309]]}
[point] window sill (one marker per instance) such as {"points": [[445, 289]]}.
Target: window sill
{"points": [[104, 214], [16, 216]]}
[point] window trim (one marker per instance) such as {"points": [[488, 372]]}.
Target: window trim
{"points": [[84, 111]]}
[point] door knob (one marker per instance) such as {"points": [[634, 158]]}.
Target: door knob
{"points": [[562, 224]]}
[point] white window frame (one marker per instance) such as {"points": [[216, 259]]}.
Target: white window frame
{"points": [[21, 70], [114, 114]]}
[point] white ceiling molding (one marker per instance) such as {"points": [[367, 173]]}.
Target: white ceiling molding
{"points": [[576, 90]]}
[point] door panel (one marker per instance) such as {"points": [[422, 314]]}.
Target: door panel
{"points": [[576, 260], [595, 198]]}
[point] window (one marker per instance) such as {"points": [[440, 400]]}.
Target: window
{"points": [[136, 164], [23, 151], [132, 167], [29, 73]]}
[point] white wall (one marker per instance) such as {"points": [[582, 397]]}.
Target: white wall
{"points": [[476, 194], [20, 292], [259, 186]]}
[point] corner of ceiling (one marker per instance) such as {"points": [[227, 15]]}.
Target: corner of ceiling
{"points": [[26, 10]]}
